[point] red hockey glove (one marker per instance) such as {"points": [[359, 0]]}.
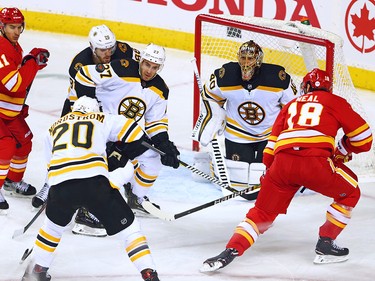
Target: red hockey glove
{"points": [[341, 154], [25, 111], [40, 56]]}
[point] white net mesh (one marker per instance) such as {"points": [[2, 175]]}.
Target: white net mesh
{"points": [[222, 35]]}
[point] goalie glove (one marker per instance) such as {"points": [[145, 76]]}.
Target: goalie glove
{"points": [[210, 122], [171, 156], [341, 154]]}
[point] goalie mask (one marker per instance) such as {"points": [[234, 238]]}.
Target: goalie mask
{"points": [[316, 79], [11, 16], [101, 37], [86, 104], [250, 58]]}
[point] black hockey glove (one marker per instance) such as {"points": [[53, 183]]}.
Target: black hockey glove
{"points": [[162, 142], [116, 158]]}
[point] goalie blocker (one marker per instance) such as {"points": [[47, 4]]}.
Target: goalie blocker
{"points": [[210, 122]]}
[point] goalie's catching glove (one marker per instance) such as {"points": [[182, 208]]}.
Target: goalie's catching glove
{"points": [[170, 158], [342, 154]]}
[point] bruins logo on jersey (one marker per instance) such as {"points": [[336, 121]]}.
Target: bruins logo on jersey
{"points": [[251, 112], [132, 108], [122, 47], [78, 66], [124, 63], [222, 72], [282, 75]]}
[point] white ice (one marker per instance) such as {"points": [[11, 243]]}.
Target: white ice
{"points": [[179, 247]]}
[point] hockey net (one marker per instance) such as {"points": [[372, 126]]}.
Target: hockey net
{"points": [[296, 46]]}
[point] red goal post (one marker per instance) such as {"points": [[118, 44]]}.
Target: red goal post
{"points": [[294, 45]]}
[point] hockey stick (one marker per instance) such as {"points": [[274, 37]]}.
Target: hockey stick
{"points": [[26, 254], [153, 210], [191, 168], [195, 170], [19, 232]]}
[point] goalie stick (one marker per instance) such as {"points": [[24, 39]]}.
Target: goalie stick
{"points": [[19, 232], [153, 210], [218, 158]]}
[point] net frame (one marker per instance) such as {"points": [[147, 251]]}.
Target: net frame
{"points": [[296, 46]]}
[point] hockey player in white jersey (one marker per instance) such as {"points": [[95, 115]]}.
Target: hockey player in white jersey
{"points": [[242, 100], [78, 176], [136, 91], [103, 48]]}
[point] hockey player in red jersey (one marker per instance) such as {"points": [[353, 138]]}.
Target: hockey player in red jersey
{"points": [[301, 152], [16, 75]]}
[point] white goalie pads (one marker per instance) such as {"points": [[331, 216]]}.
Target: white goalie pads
{"points": [[211, 121], [203, 162], [242, 173]]}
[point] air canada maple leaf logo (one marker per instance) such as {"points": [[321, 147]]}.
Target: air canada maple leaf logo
{"points": [[360, 25]]}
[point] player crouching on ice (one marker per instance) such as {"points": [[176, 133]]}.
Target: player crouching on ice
{"points": [[301, 152], [78, 176]]}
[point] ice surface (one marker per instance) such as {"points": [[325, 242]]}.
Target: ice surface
{"points": [[179, 247]]}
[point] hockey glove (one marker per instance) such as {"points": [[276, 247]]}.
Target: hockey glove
{"points": [[25, 111], [116, 158], [170, 158], [341, 154], [40, 56]]}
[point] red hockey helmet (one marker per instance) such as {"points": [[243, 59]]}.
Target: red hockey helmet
{"points": [[316, 79], [11, 15]]}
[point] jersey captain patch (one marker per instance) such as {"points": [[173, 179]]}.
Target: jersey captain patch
{"points": [[132, 108], [251, 112]]}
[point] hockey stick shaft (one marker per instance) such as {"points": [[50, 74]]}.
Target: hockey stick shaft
{"points": [[148, 206], [19, 232], [193, 169]]}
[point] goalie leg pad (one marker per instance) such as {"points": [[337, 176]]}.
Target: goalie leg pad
{"points": [[238, 172], [255, 172], [210, 122], [203, 162], [242, 173]]}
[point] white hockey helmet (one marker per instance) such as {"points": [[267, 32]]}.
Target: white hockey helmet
{"points": [[101, 37], [154, 53], [86, 104]]}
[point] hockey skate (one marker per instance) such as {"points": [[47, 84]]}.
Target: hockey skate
{"points": [[41, 197], [18, 189], [220, 261], [150, 275], [87, 224], [39, 273], [4, 206], [328, 252], [133, 202]]}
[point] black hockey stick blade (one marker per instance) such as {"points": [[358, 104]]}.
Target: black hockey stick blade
{"points": [[153, 210], [26, 254], [19, 232]]}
